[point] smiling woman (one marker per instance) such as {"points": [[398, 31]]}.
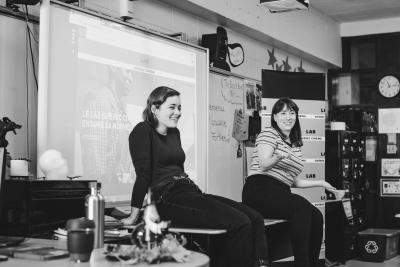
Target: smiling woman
{"points": [[276, 163], [167, 114], [158, 158]]}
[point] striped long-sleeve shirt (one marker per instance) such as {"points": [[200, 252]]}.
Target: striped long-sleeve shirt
{"points": [[286, 169]]}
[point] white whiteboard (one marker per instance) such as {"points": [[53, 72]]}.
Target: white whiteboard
{"points": [[100, 73], [225, 169]]}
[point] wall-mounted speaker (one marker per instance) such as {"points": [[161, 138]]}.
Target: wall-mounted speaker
{"points": [[217, 43]]}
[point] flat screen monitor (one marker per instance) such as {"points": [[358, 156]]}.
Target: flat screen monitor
{"points": [[296, 85], [100, 73]]}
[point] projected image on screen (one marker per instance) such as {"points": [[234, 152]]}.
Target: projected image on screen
{"points": [[99, 82]]}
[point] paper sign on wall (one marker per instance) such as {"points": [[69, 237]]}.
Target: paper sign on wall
{"points": [[389, 120], [252, 96], [391, 147], [240, 126], [370, 148]]}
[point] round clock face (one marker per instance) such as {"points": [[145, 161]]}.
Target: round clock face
{"points": [[389, 86]]}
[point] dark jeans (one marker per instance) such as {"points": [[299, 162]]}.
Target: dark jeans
{"points": [[273, 199], [186, 206]]}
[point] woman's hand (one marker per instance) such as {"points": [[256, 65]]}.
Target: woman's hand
{"points": [[151, 214], [282, 155], [327, 186], [152, 220], [133, 217]]}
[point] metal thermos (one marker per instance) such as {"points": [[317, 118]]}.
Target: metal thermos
{"points": [[94, 204]]}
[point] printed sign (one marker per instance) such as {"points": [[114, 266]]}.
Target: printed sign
{"points": [[370, 148], [389, 120], [240, 126]]}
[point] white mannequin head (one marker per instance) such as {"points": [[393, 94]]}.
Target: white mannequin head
{"points": [[53, 165]]}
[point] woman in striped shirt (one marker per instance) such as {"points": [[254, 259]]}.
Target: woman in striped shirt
{"points": [[276, 163]]}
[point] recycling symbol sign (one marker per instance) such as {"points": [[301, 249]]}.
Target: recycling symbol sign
{"points": [[371, 247]]}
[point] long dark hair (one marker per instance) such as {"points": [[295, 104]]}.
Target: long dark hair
{"points": [[295, 133], [157, 97]]}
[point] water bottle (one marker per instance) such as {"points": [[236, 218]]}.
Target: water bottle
{"points": [[94, 204]]}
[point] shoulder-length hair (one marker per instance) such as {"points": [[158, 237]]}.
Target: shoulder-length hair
{"points": [[295, 133], [157, 97]]}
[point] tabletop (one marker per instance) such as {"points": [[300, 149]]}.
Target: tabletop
{"points": [[97, 258]]}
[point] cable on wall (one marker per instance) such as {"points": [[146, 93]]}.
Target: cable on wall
{"points": [[28, 49], [27, 92], [29, 32]]}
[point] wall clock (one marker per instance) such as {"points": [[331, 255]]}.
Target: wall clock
{"points": [[389, 86]]}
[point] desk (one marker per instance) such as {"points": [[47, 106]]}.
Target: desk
{"points": [[97, 259]]}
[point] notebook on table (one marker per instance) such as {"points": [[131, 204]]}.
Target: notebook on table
{"points": [[10, 241]]}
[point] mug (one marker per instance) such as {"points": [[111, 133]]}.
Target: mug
{"points": [[80, 239], [80, 244]]}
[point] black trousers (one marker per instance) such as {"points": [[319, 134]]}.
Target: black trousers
{"points": [[186, 206], [273, 199]]}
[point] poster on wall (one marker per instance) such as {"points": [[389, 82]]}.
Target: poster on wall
{"points": [[240, 126], [389, 120], [370, 148], [390, 167], [252, 96]]}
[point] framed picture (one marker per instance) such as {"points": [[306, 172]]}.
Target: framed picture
{"points": [[390, 167], [390, 187], [250, 96]]}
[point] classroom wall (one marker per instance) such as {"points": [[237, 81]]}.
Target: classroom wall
{"points": [[370, 27], [308, 32], [18, 92], [166, 18], [18, 100]]}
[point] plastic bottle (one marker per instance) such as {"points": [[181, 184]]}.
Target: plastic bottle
{"points": [[94, 204]]}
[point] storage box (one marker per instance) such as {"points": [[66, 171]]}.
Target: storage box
{"points": [[377, 245]]}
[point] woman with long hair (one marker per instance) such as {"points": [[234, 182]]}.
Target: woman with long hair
{"points": [[158, 158], [276, 162]]}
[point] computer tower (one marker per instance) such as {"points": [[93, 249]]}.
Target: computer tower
{"points": [[346, 169], [340, 232]]}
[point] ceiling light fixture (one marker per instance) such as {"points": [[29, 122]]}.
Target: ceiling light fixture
{"points": [[278, 6]]}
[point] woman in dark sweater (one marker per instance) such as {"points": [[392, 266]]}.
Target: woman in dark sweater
{"points": [[158, 159]]}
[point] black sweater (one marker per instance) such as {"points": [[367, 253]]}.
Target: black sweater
{"points": [[155, 157]]}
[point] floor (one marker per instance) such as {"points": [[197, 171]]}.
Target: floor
{"points": [[394, 262]]}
